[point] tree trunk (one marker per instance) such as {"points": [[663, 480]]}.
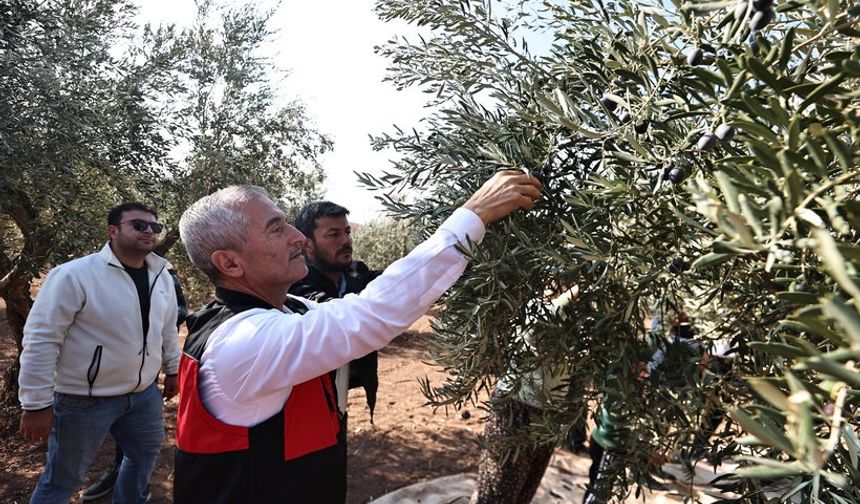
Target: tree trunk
{"points": [[18, 304], [16, 277], [170, 239]]}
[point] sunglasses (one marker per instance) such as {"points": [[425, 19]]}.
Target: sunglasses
{"points": [[141, 225]]}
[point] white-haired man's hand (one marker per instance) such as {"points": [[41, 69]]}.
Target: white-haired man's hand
{"points": [[502, 194]]}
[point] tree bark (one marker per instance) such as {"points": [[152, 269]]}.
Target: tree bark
{"points": [[18, 304], [16, 276], [170, 239]]}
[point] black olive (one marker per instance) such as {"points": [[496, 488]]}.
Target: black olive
{"points": [[707, 141], [695, 57], [741, 9], [678, 265], [724, 132], [609, 103], [676, 174], [761, 19]]}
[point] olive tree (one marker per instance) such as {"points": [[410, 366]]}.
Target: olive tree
{"points": [[238, 127], [697, 158], [96, 110], [77, 132]]}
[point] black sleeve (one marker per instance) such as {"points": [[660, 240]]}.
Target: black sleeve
{"points": [[181, 305]]}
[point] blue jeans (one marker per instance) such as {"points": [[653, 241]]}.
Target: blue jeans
{"points": [[81, 424]]}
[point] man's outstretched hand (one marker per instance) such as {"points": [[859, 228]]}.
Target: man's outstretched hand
{"points": [[505, 192]]}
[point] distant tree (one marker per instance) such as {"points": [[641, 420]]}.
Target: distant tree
{"points": [[78, 131], [95, 111], [696, 157], [234, 123], [382, 241]]}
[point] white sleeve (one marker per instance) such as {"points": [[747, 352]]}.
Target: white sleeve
{"points": [[59, 300], [273, 351], [170, 351]]}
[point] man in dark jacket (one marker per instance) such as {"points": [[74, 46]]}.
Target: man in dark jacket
{"points": [[332, 274]]}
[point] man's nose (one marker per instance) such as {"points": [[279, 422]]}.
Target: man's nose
{"points": [[296, 236]]}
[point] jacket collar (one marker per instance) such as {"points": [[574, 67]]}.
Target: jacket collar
{"points": [[235, 298], [317, 277], [153, 261]]}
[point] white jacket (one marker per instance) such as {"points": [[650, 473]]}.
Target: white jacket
{"points": [[84, 333]]}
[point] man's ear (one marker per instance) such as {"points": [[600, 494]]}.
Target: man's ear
{"points": [[112, 231], [228, 263]]}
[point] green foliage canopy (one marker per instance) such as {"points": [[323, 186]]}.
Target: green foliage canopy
{"points": [[620, 119]]}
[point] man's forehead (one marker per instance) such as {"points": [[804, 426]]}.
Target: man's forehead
{"points": [[137, 214], [262, 211], [332, 221]]}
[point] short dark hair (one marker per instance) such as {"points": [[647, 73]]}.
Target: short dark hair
{"points": [[306, 220], [115, 215]]}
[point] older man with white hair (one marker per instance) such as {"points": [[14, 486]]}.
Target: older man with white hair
{"points": [[257, 418]]}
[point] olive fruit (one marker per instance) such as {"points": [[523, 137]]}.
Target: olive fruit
{"points": [[695, 57], [465, 415], [724, 132], [707, 141], [761, 5], [676, 174], [801, 287], [741, 9], [761, 19], [754, 45], [641, 127], [624, 117], [609, 103], [678, 265]]}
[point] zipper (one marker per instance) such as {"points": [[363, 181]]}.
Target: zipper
{"points": [[143, 351], [93, 370]]}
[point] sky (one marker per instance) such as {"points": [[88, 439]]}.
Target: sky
{"points": [[327, 47]]}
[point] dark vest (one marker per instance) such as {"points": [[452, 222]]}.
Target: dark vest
{"points": [[296, 456]]}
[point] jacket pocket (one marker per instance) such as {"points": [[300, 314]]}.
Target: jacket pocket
{"points": [[93, 370]]}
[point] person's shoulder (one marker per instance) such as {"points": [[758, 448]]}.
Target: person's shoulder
{"points": [[78, 264], [361, 270]]}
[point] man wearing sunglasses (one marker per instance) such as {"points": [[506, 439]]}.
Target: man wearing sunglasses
{"points": [[99, 332], [257, 420]]}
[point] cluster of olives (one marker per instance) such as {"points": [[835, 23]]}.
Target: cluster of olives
{"points": [[709, 139], [641, 127], [762, 13]]}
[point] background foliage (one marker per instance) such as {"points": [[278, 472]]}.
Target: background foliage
{"points": [[697, 158], [95, 110], [382, 241]]}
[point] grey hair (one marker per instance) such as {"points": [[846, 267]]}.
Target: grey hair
{"points": [[216, 222]]}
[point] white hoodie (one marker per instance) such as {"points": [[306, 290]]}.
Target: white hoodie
{"points": [[84, 333]]}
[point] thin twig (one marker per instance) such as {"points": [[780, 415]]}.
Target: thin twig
{"points": [[827, 31]]}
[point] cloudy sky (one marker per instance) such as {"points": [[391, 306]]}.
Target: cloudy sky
{"points": [[327, 45]]}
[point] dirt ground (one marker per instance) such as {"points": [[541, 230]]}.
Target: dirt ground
{"points": [[408, 442]]}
